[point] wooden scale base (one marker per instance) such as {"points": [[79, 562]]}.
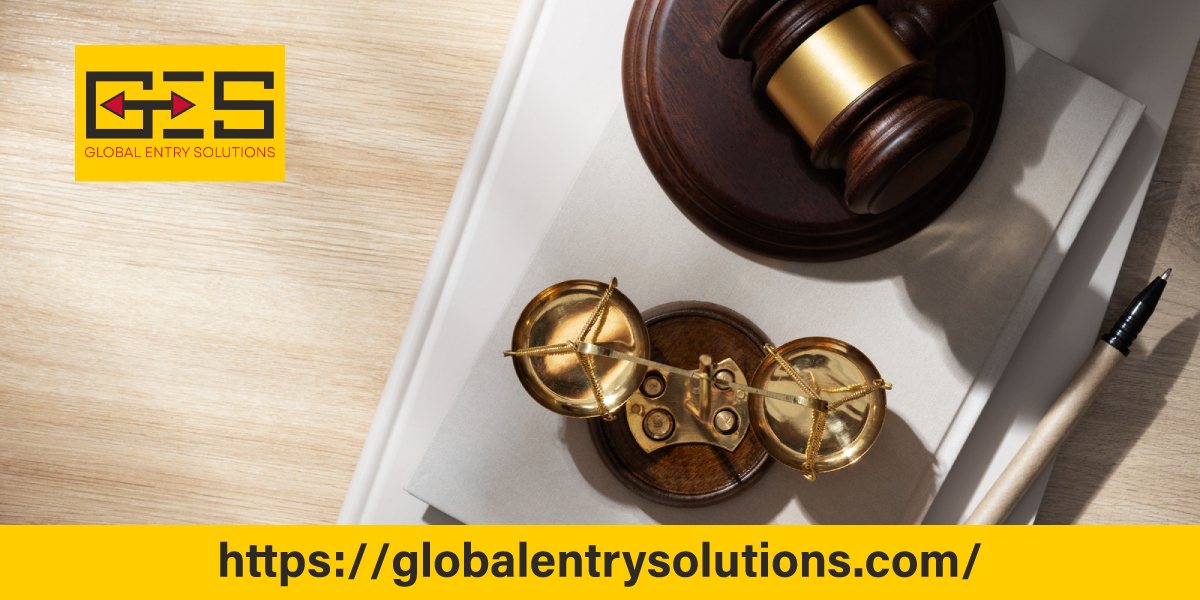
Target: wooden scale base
{"points": [[732, 163], [688, 474]]}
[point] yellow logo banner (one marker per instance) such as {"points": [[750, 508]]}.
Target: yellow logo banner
{"points": [[179, 113]]}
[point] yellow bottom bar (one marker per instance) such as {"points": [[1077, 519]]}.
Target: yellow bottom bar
{"points": [[585, 562]]}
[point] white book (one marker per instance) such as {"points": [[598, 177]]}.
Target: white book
{"points": [[939, 314]]}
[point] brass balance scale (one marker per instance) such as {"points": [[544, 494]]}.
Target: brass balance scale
{"points": [[689, 406]]}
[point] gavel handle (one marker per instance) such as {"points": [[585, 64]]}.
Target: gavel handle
{"points": [[924, 25]]}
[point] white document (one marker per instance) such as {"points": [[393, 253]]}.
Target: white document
{"points": [[939, 314]]}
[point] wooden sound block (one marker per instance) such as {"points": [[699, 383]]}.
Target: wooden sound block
{"points": [[732, 163], [688, 474]]}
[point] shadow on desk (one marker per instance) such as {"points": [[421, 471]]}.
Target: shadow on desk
{"points": [[1120, 417]]}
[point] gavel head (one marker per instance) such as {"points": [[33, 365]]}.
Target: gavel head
{"points": [[854, 92]]}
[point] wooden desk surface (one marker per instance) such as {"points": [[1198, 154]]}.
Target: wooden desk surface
{"points": [[197, 352]]}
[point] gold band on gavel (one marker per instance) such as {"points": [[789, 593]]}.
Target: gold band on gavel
{"points": [[834, 67]]}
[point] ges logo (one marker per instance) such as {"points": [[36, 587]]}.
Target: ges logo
{"points": [[179, 113]]}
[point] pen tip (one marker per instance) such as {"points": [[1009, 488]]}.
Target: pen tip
{"points": [[1165, 275]]}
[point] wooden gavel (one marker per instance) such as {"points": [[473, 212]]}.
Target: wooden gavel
{"points": [[852, 86]]}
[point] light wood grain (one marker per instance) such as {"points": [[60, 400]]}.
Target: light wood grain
{"points": [[214, 352], [200, 352]]}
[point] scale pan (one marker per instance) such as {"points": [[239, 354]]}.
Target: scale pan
{"points": [[558, 315], [850, 429]]}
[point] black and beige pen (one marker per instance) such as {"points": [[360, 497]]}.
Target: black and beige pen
{"points": [[1035, 454]]}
